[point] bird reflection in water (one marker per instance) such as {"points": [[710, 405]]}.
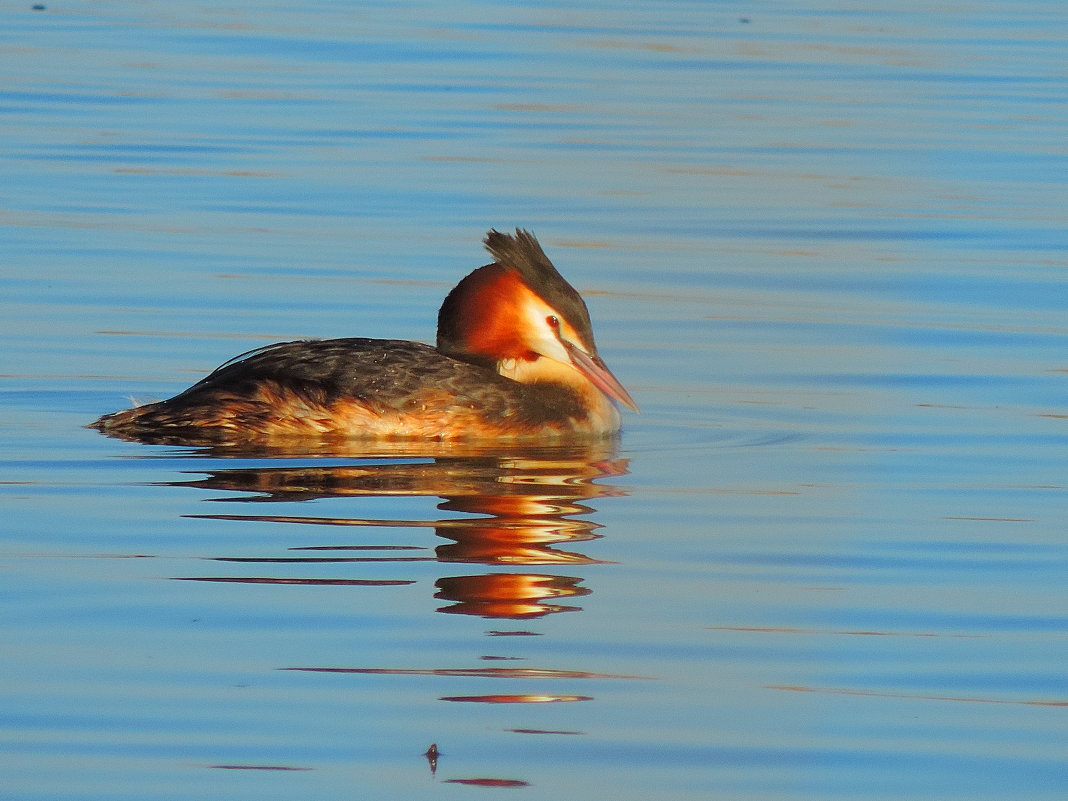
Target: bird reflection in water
{"points": [[516, 506]]}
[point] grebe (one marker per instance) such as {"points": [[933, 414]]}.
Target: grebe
{"points": [[515, 358]]}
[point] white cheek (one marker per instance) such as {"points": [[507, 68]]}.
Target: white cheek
{"points": [[555, 351], [541, 338]]}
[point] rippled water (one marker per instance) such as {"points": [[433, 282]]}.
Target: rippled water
{"points": [[823, 246]]}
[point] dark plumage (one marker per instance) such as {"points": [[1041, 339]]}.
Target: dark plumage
{"points": [[389, 379], [490, 376]]}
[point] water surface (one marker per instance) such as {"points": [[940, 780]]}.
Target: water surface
{"points": [[823, 246]]}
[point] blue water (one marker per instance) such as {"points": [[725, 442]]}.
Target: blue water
{"points": [[824, 247]]}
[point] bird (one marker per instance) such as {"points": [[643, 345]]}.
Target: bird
{"points": [[514, 359]]}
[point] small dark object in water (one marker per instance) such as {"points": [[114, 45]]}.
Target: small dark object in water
{"points": [[39, 7], [431, 755]]}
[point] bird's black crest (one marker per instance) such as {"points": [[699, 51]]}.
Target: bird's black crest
{"points": [[522, 253]]}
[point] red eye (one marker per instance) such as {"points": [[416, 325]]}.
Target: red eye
{"points": [[553, 321]]}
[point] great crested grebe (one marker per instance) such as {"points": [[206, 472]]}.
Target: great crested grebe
{"points": [[515, 358]]}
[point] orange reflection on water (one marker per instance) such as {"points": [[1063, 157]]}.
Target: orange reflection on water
{"points": [[508, 595], [307, 582], [515, 699], [919, 696], [841, 632], [515, 506], [258, 767], [523, 541], [490, 673], [544, 731]]}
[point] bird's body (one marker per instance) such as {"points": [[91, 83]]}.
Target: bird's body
{"points": [[515, 359]]}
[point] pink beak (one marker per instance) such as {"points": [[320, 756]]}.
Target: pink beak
{"points": [[594, 369]]}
